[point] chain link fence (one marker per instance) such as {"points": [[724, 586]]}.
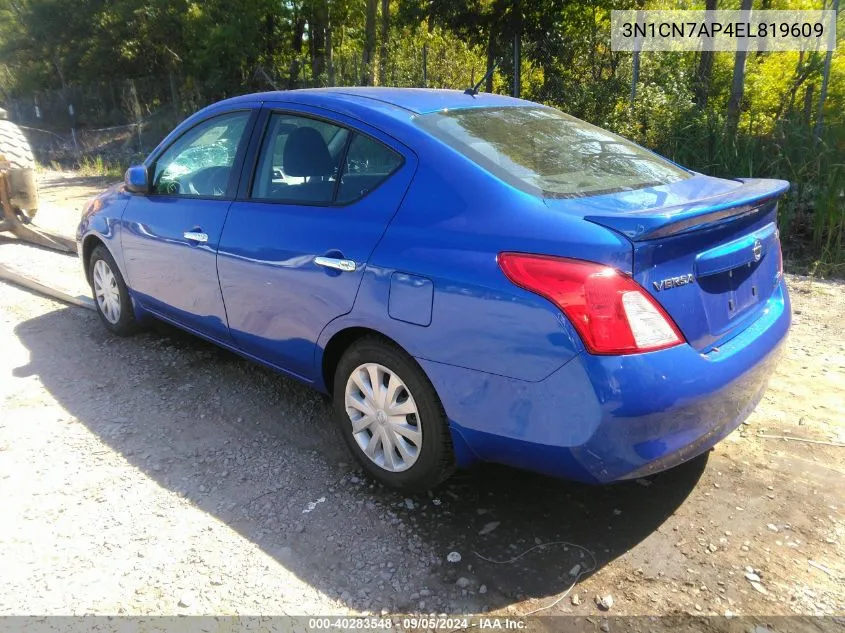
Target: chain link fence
{"points": [[118, 120]]}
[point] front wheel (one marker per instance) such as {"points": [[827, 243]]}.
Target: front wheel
{"points": [[110, 293], [390, 416]]}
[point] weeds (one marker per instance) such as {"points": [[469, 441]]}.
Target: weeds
{"points": [[98, 166]]}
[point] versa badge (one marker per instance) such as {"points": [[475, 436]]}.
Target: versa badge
{"points": [[672, 282]]}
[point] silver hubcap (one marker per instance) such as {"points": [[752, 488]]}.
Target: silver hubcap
{"points": [[106, 291], [385, 421]]}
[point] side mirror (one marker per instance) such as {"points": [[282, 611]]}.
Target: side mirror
{"points": [[137, 179]]}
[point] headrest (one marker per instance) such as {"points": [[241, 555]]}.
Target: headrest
{"points": [[306, 154]]}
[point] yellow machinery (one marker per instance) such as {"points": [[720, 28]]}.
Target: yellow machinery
{"points": [[19, 189]]}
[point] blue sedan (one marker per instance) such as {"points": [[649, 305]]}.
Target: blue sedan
{"points": [[471, 277]]}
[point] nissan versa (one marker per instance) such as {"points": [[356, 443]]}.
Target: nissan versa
{"points": [[470, 276]]}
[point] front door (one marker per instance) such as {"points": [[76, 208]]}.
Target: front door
{"points": [[170, 236], [294, 249]]}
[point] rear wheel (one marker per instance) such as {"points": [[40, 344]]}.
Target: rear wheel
{"points": [[110, 293], [391, 417]]}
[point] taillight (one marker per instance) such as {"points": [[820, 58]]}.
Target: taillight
{"points": [[779, 254], [612, 312]]}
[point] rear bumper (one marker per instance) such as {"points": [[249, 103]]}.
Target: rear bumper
{"points": [[606, 418]]}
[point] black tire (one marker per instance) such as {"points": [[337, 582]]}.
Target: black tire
{"points": [[15, 148], [436, 460], [126, 324]]}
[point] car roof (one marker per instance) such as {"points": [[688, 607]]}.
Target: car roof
{"points": [[390, 110], [411, 100]]}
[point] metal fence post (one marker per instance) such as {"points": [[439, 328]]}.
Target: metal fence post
{"points": [[517, 64], [72, 115]]}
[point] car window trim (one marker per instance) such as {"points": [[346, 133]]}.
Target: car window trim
{"points": [[342, 166], [240, 155], [268, 110]]}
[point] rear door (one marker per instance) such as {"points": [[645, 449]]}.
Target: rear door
{"points": [[312, 206]]}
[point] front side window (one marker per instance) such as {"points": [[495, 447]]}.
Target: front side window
{"points": [[199, 163], [548, 153]]}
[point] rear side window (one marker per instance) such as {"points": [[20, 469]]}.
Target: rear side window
{"points": [[368, 164], [548, 153], [300, 160], [311, 161]]}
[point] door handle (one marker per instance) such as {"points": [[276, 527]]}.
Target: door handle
{"points": [[195, 236], [343, 265]]}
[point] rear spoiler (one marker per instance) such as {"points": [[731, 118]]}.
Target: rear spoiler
{"points": [[650, 224]]}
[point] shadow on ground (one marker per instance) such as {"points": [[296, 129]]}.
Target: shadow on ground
{"points": [[256, 450]]}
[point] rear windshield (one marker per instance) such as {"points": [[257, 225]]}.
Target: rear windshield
{"points": [[548, 153]]}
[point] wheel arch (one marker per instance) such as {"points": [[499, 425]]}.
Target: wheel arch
{"points": [[339, 342], [96, 238], [89, 243]]}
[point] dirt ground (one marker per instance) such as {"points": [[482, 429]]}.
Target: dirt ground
{"points": [[159, 475]]}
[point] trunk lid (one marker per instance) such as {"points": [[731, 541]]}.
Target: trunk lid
{"points": [[706, 249]]}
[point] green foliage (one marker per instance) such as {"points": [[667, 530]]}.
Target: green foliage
{"points": [[661, 107]]}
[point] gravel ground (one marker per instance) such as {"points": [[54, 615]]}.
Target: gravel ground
{"points": [[160, 475]]}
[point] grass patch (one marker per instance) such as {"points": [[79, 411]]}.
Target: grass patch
{"points": [[99, 166]]}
